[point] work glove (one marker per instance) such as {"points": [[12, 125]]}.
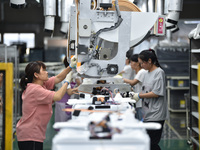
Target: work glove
{"points": [[117, 76], [73, 62], [134, 96], [68, 78]]}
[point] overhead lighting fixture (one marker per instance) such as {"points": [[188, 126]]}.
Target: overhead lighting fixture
{"points": [[192, 22]]}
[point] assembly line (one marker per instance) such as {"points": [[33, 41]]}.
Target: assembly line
{"points": [[96, 107]]}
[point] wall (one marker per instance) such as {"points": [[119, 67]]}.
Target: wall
{"points": [[25, 20]]}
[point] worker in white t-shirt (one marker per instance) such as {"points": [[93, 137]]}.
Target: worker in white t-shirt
{"points": [[127, 72], [137, 83]]}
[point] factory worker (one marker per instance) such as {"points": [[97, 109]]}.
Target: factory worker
{"points": [[127, 72], [60, 115], [137, 83], [37, 99], [154, 103]]}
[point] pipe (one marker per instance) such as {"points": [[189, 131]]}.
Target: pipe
{"points": [[151, 6], [65, 12], [174, 9], [159, 7], [49, 13]]}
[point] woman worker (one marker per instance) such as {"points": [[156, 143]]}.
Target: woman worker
{"points": [[137, 83], [37, 100], [153, 95]]}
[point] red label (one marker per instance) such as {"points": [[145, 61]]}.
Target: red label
{"points": [[160, 25]]}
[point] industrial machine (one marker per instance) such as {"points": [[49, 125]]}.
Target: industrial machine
{"points": [[109, 94], [100, 36], [103, 131], [99, 33]]}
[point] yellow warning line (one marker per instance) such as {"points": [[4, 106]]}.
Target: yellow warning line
{"points": [[172, 128]]}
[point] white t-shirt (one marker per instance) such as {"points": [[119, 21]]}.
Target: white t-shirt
{"points": [[128, 72], [138, 87]]}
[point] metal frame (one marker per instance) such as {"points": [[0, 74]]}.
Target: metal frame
{"points": [[169, 88], [8, 106]]}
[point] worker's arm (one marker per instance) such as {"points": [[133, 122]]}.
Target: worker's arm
{"points": [[72, 91], [122, 72], [131, 82], [138, 96], [61, 92], [61, 76], [148, 95]]}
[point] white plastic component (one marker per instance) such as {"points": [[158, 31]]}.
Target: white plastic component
{"points": [[49, 7], [159, 7], [64, 27], [106, 1], [174, 8], [84, 27], [17, 2], [151, 5], [141, 23], [89, 101], [105, 107], [75, 134], [174, 15], [76, 101], [175, 5], [49, 22], [65, 12], [195, 33], [49, 13]]}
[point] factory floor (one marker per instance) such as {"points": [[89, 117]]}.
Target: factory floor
{"points": [[174, 135]]}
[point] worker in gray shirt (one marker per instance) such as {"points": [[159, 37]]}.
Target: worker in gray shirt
{"points": [[154, 104]]}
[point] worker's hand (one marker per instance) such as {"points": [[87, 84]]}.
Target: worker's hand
{"points": [[134, 96], [69, 77], [75, 90], [73, 62]]}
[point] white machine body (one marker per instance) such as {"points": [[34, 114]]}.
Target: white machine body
{"points": [[76, 140], [75, 134], [102, 40]]}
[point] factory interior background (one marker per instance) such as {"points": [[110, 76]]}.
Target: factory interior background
{"points": [[23, 39]]}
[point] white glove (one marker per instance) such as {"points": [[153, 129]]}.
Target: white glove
{"points": [[73, 62], [68, 78], [134, 96], [117, 76]]}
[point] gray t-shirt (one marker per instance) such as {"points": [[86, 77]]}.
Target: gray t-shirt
{"points": [[155, 109]]}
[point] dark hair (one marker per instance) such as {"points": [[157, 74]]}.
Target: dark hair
{"points": [[134, 58], [30, 69], [129, 53], [145, 55]]}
